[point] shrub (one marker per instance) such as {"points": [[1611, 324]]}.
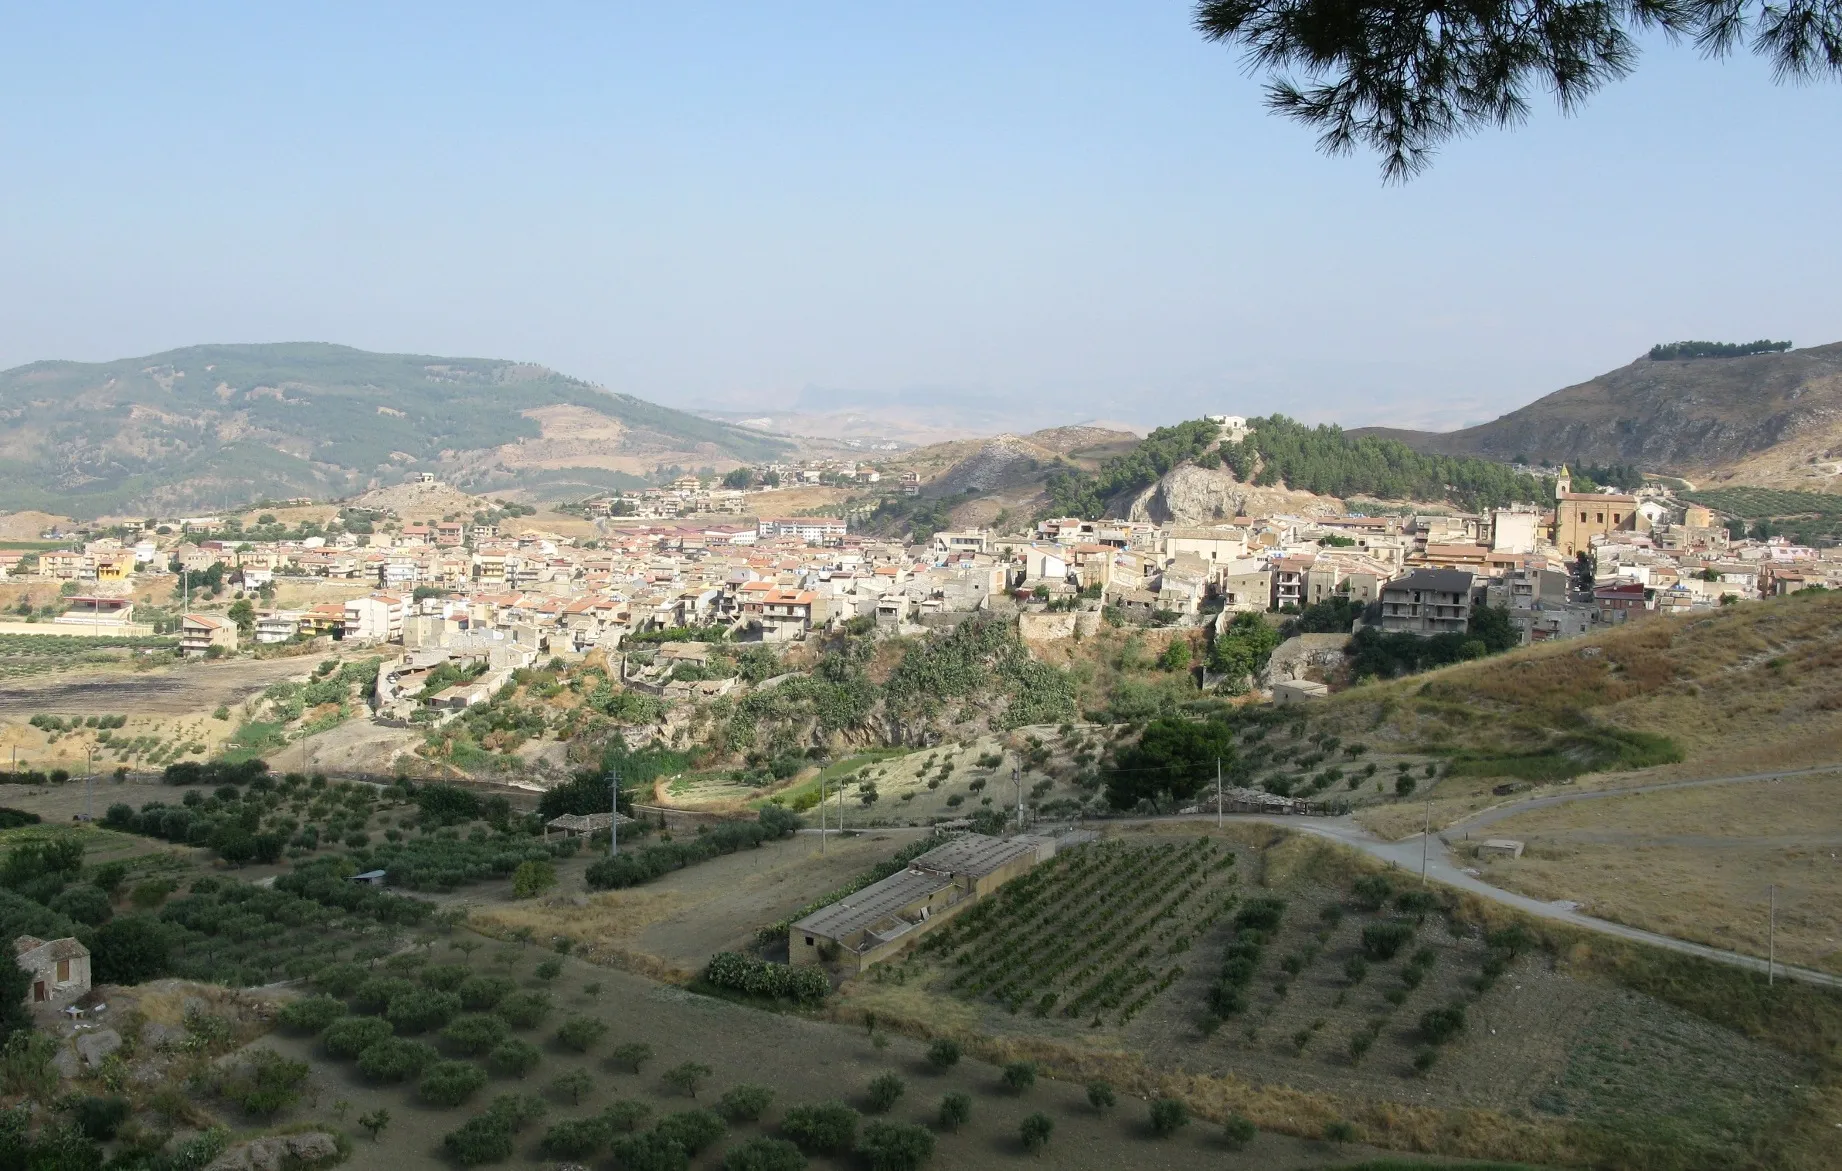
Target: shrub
{"points": [[422, 1010], [943, 1054], [1418, 903], [263, 1083], [533, 877], [745, 1103], [885, 1092], [484, 1138], [444, 977], [312, 1014], [1019, 1076], [1383, 941], [580, 1033], [1371, 891], [687, 1077], [1425, 1059], [351, 1036], [1355, 969], [449, 1083], [549, 969], [575, 1138], [955, 1111], [1339, 1133], [896, 1146], [651, 1151], [694, 1130], [829, 1128], [513, 1058], [625, 1116], [524, 1010], [572, 1085], [804, 985], [482, 993], [1440, 1025], [474, 1033], [395, 1059], [630, 1056], [1100, 1096], [1168, 1116], [1237, 1131], [764, 1154], [100, 1118], [375, 994], [1035, 1132]]}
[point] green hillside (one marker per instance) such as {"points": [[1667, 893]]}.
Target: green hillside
{"points": [[214, 426]]}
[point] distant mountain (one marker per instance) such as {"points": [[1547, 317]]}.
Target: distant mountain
{"points": [[218, 426], [1773, 419]]}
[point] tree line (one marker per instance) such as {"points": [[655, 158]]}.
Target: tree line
{"points": [[1678, 351]]}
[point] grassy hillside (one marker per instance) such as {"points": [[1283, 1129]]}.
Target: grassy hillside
{"points": [[1687, 416], [1736, 691], [215, 426]]}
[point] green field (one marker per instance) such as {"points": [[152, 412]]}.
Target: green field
{"points": [[1807, 516]]}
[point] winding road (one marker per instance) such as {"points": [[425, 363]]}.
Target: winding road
{"points": [[1433, 852]]}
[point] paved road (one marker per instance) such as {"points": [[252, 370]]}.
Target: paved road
{"points": [[1412, 853]]}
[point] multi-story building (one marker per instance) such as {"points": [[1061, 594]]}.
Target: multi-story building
{"points": [[1428, 602]]}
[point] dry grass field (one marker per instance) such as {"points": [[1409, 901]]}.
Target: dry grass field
{"points": [[1696, 863]]}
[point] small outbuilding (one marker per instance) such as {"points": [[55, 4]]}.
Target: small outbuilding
{"points": [[1500, 848], [60, 968], [371, 877], [1298, 691]]}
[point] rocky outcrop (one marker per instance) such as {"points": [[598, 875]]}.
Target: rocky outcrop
{"points": [[282, 1152], [1003, 461], [1302, 653], [96, 1047], [1189, 495]]}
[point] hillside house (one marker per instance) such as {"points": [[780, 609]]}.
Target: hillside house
{"points": [[59, 969], [871, 925], [1428, 602], [198, 634]]}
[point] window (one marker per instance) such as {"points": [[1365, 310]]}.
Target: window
{"points": [[809, 941], [1598, 518]]}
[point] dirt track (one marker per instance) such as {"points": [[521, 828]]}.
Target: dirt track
{"points": [[178, 690]]}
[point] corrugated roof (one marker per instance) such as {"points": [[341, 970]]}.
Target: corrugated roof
{"points": [[873, 903], [974, 854]]}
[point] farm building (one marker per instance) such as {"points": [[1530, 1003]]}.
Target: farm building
{"points": [[1500, 848], [60, 969], [872, 924]]}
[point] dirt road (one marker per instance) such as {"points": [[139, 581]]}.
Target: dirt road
{"points": [[172, 691], [1433, 856]]}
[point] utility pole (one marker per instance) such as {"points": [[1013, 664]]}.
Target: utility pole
{"points": [[1218, 792], [1771, 940], [1017, 775], [821, 812], [89, 784], [614, 824]]}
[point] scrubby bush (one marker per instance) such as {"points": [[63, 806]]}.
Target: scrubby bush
{"points": [[575, 1138], [1035, 1132], [580, 1033], [685, 1078], [312, 1014], [483, 993], [524, 1010], [1371, 891], [955, 1111], [764, 1154], [745, 1103], [449, 1083], [1418, 903], [1440, 1025], [805, 985], [896, 1146], [549, 969], [829, 1128], [350, 1036], [422, 1010], [100, 1118], [263, 1082], [885, 1092], [513, 1058], [1168, 1116], [630, 1056], [474, 1033], [395, 1059], [1237, 1131], [694, 1130], [651, 1151], [1383, 941], [1019, 1076], [1100, 1096], [943, 1054]]}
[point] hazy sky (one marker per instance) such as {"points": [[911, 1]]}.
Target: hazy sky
{"points": [[1071, 209]]}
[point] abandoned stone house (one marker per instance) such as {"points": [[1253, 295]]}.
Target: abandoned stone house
{"points": [[60, 969], [864, 928]]}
